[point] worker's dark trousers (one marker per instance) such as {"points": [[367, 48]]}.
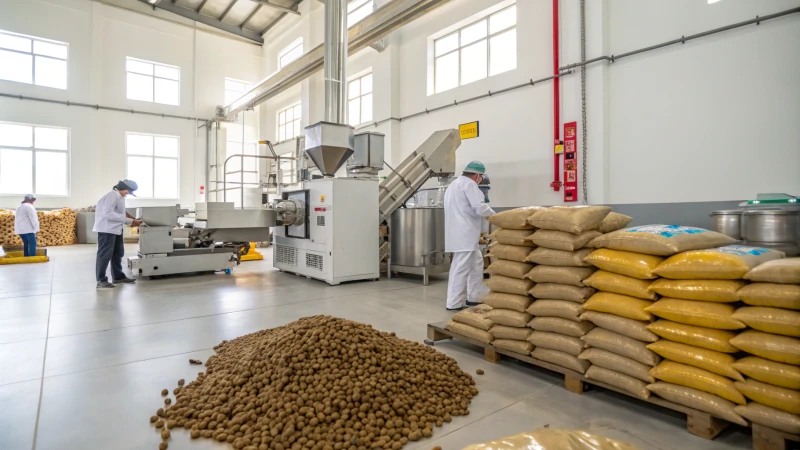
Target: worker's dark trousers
{"points": [[28, 244], [110, 249]]}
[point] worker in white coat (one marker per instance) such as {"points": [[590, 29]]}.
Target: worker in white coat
{"points": [[26, 224], [464, 207], [110, 216]]}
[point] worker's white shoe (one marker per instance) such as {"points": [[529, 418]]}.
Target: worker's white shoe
{"points": [[104, 284]]}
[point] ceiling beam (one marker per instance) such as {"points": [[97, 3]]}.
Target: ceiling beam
{"points": [[227, 10], [200, 8], [278, 7], [272, 24], [255, 11], [210, 21]]}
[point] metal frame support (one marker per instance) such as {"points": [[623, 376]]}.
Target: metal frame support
{"points": [[278, 7], [250, 16], [210, 21], [227, 10]]}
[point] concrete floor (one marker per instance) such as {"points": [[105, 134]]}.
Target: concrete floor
{"points": [[83, 369]]}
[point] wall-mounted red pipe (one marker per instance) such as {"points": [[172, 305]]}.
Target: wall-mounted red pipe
{"points": [[556, 184]]}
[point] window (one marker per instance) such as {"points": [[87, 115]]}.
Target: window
{"points": [[34, 159], [359, 100], [358, 10], [153, 164], [290, 53], [153, 82], [234, 89], [289, 123], [483, 48], [32, 60]]}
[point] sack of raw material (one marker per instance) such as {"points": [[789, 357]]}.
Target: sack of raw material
{"points": [[475, 316], [731, 262], [770, 320], [561, 258], [556, 308], [770, 417], [617, 363], [560, 325], [696, 378], [662, 240], [561, 240], [512, 269], [521, 347], [770, 294], [553, 439], [614, 221], [557, 291], [512, 333], [777, 397], [508, 301], [572, 219], [561, 359], [634, 329], [785, 271], [573, 276], [509, 252], [710, 360], [621, 345], [629, 384], [508, 285], [697, 399], [509, 317], [782, 349], [721, 291], [514, 219], [771, 372], [512, 237], [636, 265], [718, 340], [620, 284], [701, 314], [620, 305], [468, 331], [554, 341]]}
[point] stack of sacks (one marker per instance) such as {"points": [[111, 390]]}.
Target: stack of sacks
{"points": [[699, 287], [773, 366], [472, 323]]}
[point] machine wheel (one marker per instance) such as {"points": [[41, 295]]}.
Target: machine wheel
{"points": [[228, 271]]}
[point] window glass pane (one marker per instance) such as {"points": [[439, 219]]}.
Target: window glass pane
{"points": [[473, 33], [166, 146], [140, 87], [48, 49], [51, 72], [366, 108], [173, 73], [354, 112], [166, 178], [250, 177], [504, 52], [281, 117], [366, 84], [291, 54], [473, 62], [447, 72], [140, 144], [51, 173], [16, 67], [168, 92], [297, 112], [15, 43], [233, 85], [446, 44], [290, 114], [140, 168], [296, 130], [359, 14], [16, 135], [16, 171], [139, 67], [353, 89], [354, 4], [51, 138], [281, 133], [502, 20]]}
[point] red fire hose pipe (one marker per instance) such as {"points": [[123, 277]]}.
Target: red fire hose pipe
{"points": [[556, 184]]}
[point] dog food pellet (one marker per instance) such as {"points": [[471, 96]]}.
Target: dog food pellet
{"points": [[479, 371], [159, 423], [181, 382], [164, 392], [163, 446], [165, 434], [153, 419]]}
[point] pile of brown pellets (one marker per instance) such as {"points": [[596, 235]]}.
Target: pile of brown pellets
{"points": [[320, 383]]}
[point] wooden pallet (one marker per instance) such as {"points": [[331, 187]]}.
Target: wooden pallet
{"points": [[766, 438]]}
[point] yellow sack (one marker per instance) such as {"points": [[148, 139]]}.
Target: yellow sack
{"points": [[561, 258], [697, 399], [521, 347], [636, 265], [620, 284], [468, 331], [621, 305], [508, 285], [770, 320], [507, 301], [511, 269], [771, 294], [621, 345], [775, 373], [710, 360], [777, 397], [631, 385], [702, 314], [509, 252], [512, 237], [512, 333], [724, 263], [777, 348], [509, 317], [709, 338], [561, 240], [696, 378], [554, 341], [614, 221], [475, 317], [560, 325], [720, 291], [556, 308], [662, 240], [560, 359], [785, 271], [561, 292], [770, 417], [617, 363], [572, 219], [560, 275], [553, 439], [634, 329], [514, 219]]}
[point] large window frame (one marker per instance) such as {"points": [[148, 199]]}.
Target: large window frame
{"points": [[153, 158], [235, 89], [290, 128], [357, 10], [166, 74], [35, 146], [290, 53], [359, 93], [45, 54]]}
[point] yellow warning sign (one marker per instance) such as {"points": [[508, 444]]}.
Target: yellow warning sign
{"points": [[468, 130]]}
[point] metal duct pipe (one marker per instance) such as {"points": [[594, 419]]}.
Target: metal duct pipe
{"points": [[335, 60]]}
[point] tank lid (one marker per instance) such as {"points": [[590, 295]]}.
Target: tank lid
{"points": [[727, 212], [771, 212]]}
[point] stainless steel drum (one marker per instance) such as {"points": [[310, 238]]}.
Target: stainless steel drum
{"points": [[770, 225], [728, 222], [417, 242]]}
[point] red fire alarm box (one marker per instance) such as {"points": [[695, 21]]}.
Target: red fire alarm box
{"points": [[571, 162]]}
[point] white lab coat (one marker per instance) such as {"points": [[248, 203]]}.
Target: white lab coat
{"points": [[110, 215], [25, 219], [463, 209]]}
